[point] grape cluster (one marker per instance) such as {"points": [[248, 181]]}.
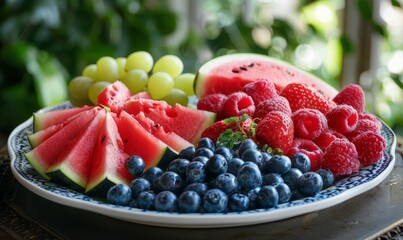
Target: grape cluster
{"points": [[211, 179], [163, 80]]}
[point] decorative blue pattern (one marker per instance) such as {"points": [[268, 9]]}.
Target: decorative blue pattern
{"points": [[18, 143]]}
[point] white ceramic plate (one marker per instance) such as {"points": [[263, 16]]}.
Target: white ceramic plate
{"points": [[343, 190]]}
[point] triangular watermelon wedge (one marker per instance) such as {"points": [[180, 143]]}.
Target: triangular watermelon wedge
{"points": [[73, 165], [42, 120], [108, 164], [186, 122], [47, 152]]}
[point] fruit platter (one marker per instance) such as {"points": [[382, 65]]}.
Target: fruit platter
{"points": [[247, 140]]}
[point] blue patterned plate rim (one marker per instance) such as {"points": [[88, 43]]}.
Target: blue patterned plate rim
{"points": [[349, 187]]}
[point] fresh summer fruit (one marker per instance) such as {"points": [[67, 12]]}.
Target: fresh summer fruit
{"points": [[185, 83], [176, 96], [300, 96], [341, 158], [186, 122], [170, 64], [42, 120], [213, 103], [370, 146], [121, 61], [237, 104], [107, 69], [230, 73], [49, 150], [260, 90], [90, 71], [160, 85], [95, 89], [114, 96], [278, 103], [136, 80], [78, 90], [139, 60], [138, 141], [309, 123], [352, 95], [72, 165], [343, 118], [108, 161], [217, 128], [309, 148]]}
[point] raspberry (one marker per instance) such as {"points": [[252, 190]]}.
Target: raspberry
{"points": [[343, 118], [300, 95], [213, 103], [260, 90], [276, 130], [237, 104], [352, 95], [327, 137], [274, 104], [215, 130], [341, 158], [369, 147], [310, 149], [372, 118], [309, 123], [364, 125]]}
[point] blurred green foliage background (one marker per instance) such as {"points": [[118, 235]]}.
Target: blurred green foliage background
{"points": [[45, 43]]}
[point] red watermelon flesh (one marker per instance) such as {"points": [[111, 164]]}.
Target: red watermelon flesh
{"points": [[141, 95], [72, 166], [173, 140], [114, 96], [45, 153], [229, 73], [108, 164], [138, 141], [186, 122], [44, 120]]}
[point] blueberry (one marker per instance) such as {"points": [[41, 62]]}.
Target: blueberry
{"points": [[272, 179], [268, 197], [165, 201], [225, 152], [138, 185], [195, 172], [296, 195], [170, 181], [215, 201], [187, 153], [284, 192], [291, 177], [216, 165], [227, 182], [310, 184], [252, 195], [189, 202], [151, 173], [179, 166], [135, 165], [207, 143], [277, 164], [145, 200], [238, 202], [119, 194], [245, 145], [249, 176], [200, 188], [301, 161], [252, 155], [265, 157], [327, 177], [205, 152], [234, 165], [201, 159]]}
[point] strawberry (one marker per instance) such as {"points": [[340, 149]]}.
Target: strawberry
{"points": [[217, 128], [276, 130], [300, 96]]}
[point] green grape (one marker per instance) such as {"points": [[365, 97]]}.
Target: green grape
{"points": [[176, 96], [160, 84], [136, 80], [78, 87], [107, 69], [140, 60], [90, 71], [170, 64], [121, 61], [95, 89], [185, 83], [79, 102]]}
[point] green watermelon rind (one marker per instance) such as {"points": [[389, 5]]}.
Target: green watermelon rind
{"points": [[205, 69], [34, 163], [66, 177]]}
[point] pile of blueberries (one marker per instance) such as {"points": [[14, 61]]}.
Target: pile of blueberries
{"points": [[210, 179]]}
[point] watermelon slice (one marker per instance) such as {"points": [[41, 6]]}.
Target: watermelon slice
{"points": [[173, 140], [114, 96], [185, 122], [138, 141], [45, 153], [108, 164], [44, 120], [229, 73], [72, 166]]}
